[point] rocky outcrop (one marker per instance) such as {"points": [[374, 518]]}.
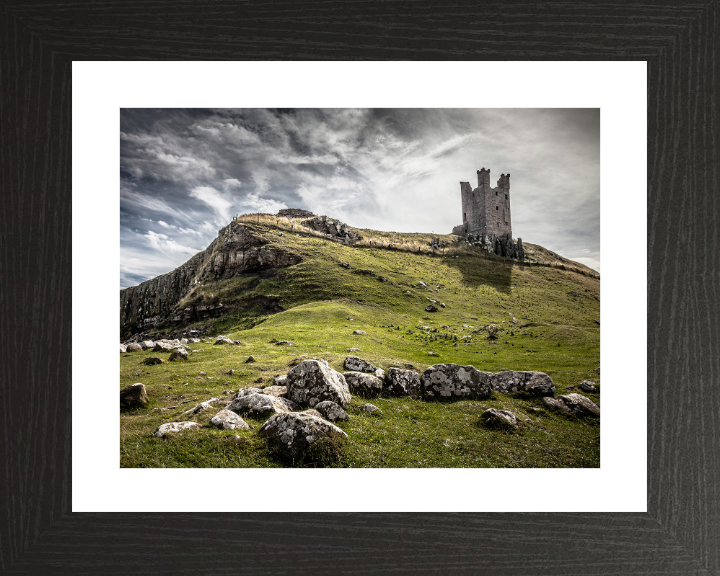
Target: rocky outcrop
{"points": [[503, 245], [293, 433], [453, 382], [536, 383], [313, 381], [237, 250], [336, 230], [295, 213]]}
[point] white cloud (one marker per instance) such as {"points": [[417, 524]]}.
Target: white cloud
{"points": [[163, 243], [263, 204], [215, 200]]}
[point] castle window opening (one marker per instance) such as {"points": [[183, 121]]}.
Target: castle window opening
{"points": [[496, 208]]}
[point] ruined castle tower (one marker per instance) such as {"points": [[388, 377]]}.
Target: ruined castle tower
{"points": [[486, 210]]}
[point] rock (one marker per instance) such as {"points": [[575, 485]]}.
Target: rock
{"points": [[587, 386], [371, 408], [431, 308], [228, 420], [313, 381], [171, 427], [133, 347], [359, 332], [399, 382], [247, 392], [379, 373], [223, 340], [576, 404], [311, 412], [281, 234], [123, 348], [179, 354], [229, 373], [152, 360], [293, 433], [345, 265], [261, 404], [363, 384], [228, 392], [133, 396], [250, 359], [356, 364], [493, 417], [200, 407], [284, 343], [163, 347], [450, 381], [147, 344], [331, 411], [536, 383], [442, 305], [354, 350], [277, 391], [280, 380]]}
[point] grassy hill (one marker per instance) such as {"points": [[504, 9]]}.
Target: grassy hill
{"points": [[549, 313]]}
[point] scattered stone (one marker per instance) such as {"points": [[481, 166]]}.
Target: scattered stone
{"points": [[228, 420], [280, 380], [123, 348], [284, 343], [262, 404], [354, 350], [447, 381], [359, 332], [133, 396], [147, 344], [281, 234], [358, 365], [152, 360], [133, 347], [293, 433], [379, 373], [247, 392], [574, 404], [494, 417], [331, 411], [251, 358], [442, 305], [363, 384], [587, 386], [229, 372], [200, 407], [223, 340], [313, 381], [345, 265], [399, 382], [171, 427], [228, 392], [537, 383], [371, 408], [573, 293], [163, 347], [179, 354], [431, 308]]}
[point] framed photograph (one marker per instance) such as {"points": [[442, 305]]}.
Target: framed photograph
{"points": [[647, 504]]}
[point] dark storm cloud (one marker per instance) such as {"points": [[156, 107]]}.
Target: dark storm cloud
{"points": [[185, 173]]}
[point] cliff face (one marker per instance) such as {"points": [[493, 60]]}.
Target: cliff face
{"points": [[237, 250]]}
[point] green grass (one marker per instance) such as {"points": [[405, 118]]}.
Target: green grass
{"points": [[556, 333]]}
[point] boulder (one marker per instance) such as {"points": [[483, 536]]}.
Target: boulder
{"points": [[399, 382], [133, 396], [171, 427], [223, 340], [331, 411], [283, 343], [293, 433], [359, 332], [133, 347], [247, 392], [163, 347], [228, 420], [363, 384], [493, 417], [576, 404], [147, 344], [179, 354], [200, 407], [250, 359], [450, 381], [430, 308], [280, 380], [536, 383], [152, 361], [313, 381], [358, 365], [379, 373], [587, 386], [261, 404], [277, 391], [123, 348], [230, 372]]}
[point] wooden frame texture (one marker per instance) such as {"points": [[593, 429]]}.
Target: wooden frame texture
{"points": [[680, 533]]}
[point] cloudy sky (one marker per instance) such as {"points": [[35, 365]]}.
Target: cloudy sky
{"points": [[185, 173]]}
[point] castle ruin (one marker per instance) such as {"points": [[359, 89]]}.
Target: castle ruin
{"points": [[486, 216]]}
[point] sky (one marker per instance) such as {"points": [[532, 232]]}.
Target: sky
{"points": [[184, 173]]}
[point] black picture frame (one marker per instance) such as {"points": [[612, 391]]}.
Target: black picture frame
{"points": [[681, 530]]}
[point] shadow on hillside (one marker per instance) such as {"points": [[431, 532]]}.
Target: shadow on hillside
{"points": [[478, 272]]}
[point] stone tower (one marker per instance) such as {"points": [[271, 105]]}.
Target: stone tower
{"points": [[486, 210]]}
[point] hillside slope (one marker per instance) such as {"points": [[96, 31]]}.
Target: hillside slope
{"points": [[266, 279]]}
